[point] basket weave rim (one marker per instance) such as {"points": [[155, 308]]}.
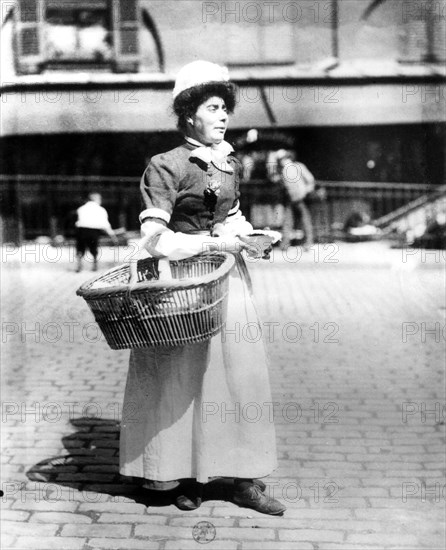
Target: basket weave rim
{"points": [[174, 284]]}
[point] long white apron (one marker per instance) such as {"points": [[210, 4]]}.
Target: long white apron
{"points": [[202, 410]]}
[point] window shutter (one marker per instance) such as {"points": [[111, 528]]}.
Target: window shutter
{"points": [[29, 36], [126, 35]]}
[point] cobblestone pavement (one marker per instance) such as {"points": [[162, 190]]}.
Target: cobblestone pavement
{"points": [[356, 335]]}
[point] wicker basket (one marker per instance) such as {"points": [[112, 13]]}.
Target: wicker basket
{"points": [[189, 308]]}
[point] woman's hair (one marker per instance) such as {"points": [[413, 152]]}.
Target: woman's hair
{"points": [[186, 103]]}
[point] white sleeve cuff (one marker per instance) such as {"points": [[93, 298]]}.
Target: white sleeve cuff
{"points": [[154, 213], [235, 209]]}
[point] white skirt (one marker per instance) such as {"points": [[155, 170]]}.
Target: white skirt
{"points": [[202, 410]]}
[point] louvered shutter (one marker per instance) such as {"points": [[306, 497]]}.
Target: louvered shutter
{"points": [[29, 36], [126, 35]]}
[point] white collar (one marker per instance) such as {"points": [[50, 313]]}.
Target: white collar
{"points": [[215, 154]]}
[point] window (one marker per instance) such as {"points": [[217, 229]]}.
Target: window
{"points": [[69, 34], [78, 32]]}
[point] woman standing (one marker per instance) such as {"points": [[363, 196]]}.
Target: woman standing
{"points": [[201, 410]]}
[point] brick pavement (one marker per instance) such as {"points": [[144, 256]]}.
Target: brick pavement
{"points": [[355, 335]]}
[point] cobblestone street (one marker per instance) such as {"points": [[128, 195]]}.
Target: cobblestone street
{"points": [[357, 340]]}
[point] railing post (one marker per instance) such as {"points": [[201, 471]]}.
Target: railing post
{"points": [[18, 202], [330, 216], [53, 227], [122, 212]]}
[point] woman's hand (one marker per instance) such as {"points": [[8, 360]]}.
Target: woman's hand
{"points": [[235, 244], [257, 249]]}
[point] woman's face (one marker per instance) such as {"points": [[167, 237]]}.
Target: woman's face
{"points": [[208, 125]]}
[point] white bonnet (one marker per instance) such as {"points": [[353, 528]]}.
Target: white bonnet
{"points": [[198, 73]]}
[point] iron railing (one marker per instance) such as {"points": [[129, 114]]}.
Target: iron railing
{"points": [[342, 198], [40, 205]]}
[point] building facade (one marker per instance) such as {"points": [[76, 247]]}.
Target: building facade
{"points": [[357, 85]]}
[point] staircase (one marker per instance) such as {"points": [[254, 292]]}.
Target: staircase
{"points": [[412, 219]]}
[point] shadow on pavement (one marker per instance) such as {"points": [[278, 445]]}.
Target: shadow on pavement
{"points": [[92, 465]]}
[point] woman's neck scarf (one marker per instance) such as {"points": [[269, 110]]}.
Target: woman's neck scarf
{"points": [[215, 154]]}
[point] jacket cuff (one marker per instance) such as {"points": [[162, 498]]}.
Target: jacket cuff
{"points": [[154, 213]]}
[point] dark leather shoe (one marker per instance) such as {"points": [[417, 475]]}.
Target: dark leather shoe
{"points": [[252, 497], [259, 484], [185, 503]]}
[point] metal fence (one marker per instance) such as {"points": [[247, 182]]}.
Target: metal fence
{"points": [[262, 203], [33, 206], [39, 205]]}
